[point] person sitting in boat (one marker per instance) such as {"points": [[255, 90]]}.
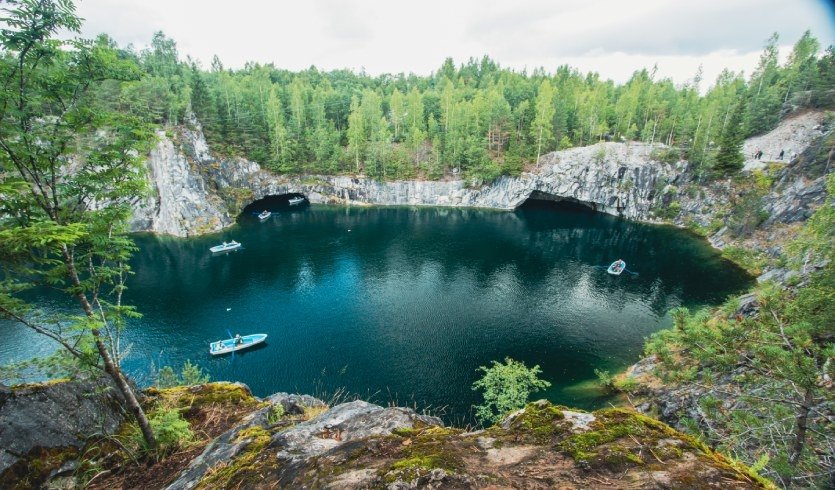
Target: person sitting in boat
{"points": [[619, 265], [238, 339]]}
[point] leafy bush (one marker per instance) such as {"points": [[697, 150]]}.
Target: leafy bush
{"points": [[600, 154], [506, 388], [191, 374], [275, 413], [752, 262], [669, 212], [665, 155], [171, 430], [605, 378], [166, 378]]}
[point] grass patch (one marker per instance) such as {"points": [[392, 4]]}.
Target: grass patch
{"points": [[752, 262]]}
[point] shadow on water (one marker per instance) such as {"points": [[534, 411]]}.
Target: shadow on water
{"points": [[280, 203], [407, 302]]}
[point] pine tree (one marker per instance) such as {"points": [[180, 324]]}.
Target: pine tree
{"points": [[729, 158]]}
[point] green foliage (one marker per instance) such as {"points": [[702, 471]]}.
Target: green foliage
{"points": [[746, 209], [506, 387], [665, 155], [817, 238], [729, 159], [275, 413], [172, 432], [166, 378], [401, 126], [670, 211], [752, 262], [605, 378], [600, 154], [190, 375], [70, 169], [781, 360]]}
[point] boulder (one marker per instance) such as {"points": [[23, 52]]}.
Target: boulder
{"points": [[55, 415]]}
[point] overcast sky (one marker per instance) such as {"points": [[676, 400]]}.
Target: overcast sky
{"points": [[612, 37]]}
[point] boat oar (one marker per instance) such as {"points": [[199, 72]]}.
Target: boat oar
{"points": [[629, 271], [233, 345]]}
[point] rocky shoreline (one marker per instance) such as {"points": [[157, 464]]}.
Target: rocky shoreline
{"points": [[297, 441], [198, 192]]}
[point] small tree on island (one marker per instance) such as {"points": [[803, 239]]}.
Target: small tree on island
{"points": [[506, 387], [70, 166]]}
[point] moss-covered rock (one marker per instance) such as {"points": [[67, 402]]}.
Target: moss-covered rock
{"points": [[44, 425]]}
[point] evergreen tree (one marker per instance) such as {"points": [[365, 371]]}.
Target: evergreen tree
{"points": [[729, 158]]}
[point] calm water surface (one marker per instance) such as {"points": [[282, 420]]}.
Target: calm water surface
{"points": [[403, 304]]}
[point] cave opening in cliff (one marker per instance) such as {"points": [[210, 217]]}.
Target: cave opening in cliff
{"points": [[275, 203], [544, 200]]}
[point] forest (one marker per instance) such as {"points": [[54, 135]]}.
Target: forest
{"points": [[477, 119]]}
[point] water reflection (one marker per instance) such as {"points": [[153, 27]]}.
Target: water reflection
{"points": [[408, 302]]}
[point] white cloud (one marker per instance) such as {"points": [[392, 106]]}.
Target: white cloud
{"points": [[612, 37]]}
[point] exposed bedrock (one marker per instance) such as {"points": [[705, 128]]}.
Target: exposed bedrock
{"points": [[196, 192]]}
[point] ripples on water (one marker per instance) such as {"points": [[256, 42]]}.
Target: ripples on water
{"points": [[403, 304]]}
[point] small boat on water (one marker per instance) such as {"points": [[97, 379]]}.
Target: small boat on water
{"points": [[294, 201], [617, 267], [236, 343], [225, 247], [266, 214]]}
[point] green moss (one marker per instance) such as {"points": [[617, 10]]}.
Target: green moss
{"points": [[540, 423], [609, 427], [404, 431], [40, 385], [427, 462], [430, 448], [35, 468], [220, 393], [616, 432]]}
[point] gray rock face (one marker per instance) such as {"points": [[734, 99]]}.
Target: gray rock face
{"points": [[341, 424], [229, 445], [181, 203], [614, 178], [327, 433], [56, 415], [198, 192]]}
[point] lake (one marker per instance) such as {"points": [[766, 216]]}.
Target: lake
{"points": [[400, 304]]}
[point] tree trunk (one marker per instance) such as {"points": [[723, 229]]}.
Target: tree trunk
{"points": [[800, 427], [110, 367], [130, 397]]}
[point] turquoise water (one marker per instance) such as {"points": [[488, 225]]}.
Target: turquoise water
{"points": [[403, 304]]}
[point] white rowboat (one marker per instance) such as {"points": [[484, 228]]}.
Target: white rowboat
{"points": [[617, 268], [225, 247], [237, 343]]}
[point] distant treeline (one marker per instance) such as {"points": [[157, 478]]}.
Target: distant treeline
{"points": [[476, 119]]}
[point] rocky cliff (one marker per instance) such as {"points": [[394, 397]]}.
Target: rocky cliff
{"points": [[52, 422], [296, 441], [197, 192]]}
